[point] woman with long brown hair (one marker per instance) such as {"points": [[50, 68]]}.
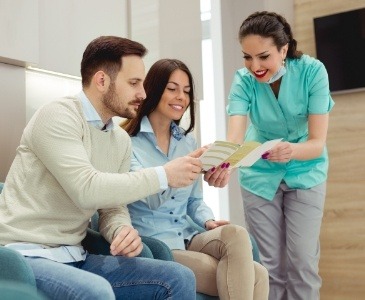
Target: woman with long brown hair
{"points": [[220, 257]]}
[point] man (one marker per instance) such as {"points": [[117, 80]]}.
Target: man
{"points": [[71, 162]]}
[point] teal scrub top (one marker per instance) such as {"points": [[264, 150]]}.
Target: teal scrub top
{"points": [[304, 90]]}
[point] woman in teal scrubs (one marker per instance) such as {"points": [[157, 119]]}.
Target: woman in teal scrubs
{"points": [[286, 95]]}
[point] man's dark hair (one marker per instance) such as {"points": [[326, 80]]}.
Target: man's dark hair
{"points": [[105, 53]]}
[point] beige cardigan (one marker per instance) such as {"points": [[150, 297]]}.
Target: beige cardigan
{"points": [[64, 170]]}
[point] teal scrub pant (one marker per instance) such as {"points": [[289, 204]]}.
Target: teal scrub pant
{"points": [[287, 233]]}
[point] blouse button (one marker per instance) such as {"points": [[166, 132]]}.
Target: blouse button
{"points": [[172, 197], [179, 233], [171, 212]]}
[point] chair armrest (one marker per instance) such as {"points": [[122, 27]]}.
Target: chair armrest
{"points": [[158, 248], [14, 267], [17, 290], [95, 243]]}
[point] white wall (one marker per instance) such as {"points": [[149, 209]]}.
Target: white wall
{"points": [[12, 113], [67, 26], [42, 88], [169, 29], [19, 32], [50, 35]]}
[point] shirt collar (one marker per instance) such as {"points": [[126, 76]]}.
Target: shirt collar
{"points": [[146, 125], [92, 116], [175, 130]]}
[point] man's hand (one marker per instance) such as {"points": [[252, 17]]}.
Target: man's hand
{"points": [[211, 224], [198, 152], [127, 243], [217, 177], [184, 170]]}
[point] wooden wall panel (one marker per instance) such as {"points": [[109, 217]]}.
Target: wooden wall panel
{"points": [[342, 264]]}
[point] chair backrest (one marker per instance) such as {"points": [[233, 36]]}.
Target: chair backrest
{"points": [[94, 222]]}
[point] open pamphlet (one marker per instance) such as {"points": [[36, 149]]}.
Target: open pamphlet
{"points": [[236, 155]]}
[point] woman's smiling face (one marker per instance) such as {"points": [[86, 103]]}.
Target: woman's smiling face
{"points": [[261, 56], [175, 98]]}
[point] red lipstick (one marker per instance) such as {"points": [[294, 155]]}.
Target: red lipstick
{"points": [[260, 75]]}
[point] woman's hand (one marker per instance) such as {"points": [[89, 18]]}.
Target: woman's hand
{"points": [[218, 177], [282, 152], [309, 149], [211, 224]]}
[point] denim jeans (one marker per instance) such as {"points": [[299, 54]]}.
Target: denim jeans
{"points": [[113, 277]]}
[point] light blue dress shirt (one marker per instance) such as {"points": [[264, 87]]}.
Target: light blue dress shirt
{"points": [[304, 90], [164, 215]]}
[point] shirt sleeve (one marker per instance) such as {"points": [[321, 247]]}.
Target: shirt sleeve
{"points": [[320, 100], [239, 95], [197, 209], [112, 220], [162, 178]]}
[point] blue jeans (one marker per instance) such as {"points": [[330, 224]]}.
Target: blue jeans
{"points": [[113, 277]]}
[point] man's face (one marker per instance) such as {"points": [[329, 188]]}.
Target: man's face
{"points": [[126, 93]]}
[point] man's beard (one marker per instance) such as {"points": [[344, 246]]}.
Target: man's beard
{"points": [[116, 107]]}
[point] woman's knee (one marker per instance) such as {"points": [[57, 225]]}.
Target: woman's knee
{"points": [[261, 273], [261, 289], [235, 234]]}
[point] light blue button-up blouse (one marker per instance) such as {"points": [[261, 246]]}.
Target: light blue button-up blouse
{"points": [[163, 215], [304, 90]]}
